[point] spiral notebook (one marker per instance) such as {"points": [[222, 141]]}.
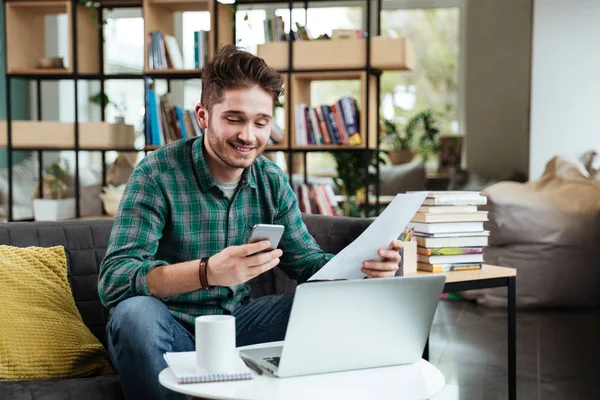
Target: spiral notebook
{"points": [[183, 365]]}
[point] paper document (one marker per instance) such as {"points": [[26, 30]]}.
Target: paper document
{"points": [[379, 235]]}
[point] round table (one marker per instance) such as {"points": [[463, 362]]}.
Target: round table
{"points": [[419, 380]]}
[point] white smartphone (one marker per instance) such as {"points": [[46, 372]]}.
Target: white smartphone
{"points": [[272, 233]]}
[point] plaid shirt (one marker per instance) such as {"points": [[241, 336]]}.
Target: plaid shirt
{"points": [[172, 211]]}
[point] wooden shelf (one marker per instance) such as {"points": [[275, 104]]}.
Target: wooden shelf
{"points": [[182, 5], [276, 147], [386, 54], [49, 135], [25, 33], [42, 71]]}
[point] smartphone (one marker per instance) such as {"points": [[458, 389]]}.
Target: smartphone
{"points": [[272, 233]]}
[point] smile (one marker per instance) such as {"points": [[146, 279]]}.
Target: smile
{"points": [[242, 149]]}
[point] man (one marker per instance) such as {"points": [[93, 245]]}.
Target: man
{"points": [[178, 244]]}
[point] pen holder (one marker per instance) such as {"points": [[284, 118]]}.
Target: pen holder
{"points": [[408, 264]]}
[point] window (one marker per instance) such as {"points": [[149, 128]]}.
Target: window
{"points": [[434, 83]]}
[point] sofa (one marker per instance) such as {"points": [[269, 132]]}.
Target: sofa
{"points": [[85, 243], [549, 230]]}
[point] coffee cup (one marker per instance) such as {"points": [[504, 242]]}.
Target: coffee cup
{"points": [[215, 343]]}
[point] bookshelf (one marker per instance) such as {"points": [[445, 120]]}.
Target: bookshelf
{"points": [[25, 25], [301, 63]]}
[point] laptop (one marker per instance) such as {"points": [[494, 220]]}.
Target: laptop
{"points": [[345, 325]]}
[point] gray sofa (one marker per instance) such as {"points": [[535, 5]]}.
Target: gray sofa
{"points": [[85, 243]]}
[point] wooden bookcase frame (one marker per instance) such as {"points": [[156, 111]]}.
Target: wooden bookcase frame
{"points": [[24, 32]]}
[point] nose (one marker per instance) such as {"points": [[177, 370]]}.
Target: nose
{"points": [[247, 134]]}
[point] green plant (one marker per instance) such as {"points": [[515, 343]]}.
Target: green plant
{"points": [[54, 179], [396, 139], [99, 99], [94, 5], [351, 171], [429, 140]]}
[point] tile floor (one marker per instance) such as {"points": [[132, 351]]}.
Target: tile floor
{"points": [[558, 353]]}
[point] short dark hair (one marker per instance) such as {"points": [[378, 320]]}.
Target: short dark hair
{"points": [[233, 68]]}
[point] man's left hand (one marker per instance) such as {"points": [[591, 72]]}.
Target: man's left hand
{"points": [[387, 267]]}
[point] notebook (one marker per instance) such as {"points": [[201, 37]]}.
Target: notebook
{"points": [[184, 368]]}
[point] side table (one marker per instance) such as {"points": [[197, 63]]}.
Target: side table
{"points": [[490, 276], [420, 380]]}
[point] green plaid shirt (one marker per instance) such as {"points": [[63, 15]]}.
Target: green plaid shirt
{"points": [[172, 211]]}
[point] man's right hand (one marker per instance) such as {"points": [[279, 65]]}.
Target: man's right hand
{"points": [[239, 264]]}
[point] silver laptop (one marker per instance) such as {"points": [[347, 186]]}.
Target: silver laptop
{"points": [[345, 325]]}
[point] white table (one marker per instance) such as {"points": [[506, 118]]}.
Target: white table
{"points": [[420, 380]]}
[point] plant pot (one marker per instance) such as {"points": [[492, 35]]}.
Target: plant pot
{"points": [[401, 156], [53, 210]]}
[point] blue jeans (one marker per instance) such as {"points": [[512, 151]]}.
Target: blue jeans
{"points": [[141, 329]]}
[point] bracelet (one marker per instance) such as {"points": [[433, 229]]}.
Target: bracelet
{"points": [[202, 273]]}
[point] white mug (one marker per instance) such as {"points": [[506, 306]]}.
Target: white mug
{"points": [[215, 343]]}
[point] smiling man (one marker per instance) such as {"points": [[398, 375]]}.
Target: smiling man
{"points": [[178, 248]]}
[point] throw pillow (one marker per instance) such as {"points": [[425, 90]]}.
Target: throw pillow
{"points": [[43, 335]]}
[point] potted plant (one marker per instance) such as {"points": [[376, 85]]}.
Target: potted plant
{"points": [[55, 204], [402, 143]]}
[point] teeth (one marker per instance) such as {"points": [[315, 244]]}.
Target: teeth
{"points": [[242, 148]]}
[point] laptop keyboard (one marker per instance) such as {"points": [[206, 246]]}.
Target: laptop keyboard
{"points": [[273, 360]]}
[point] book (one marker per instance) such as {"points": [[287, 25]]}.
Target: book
{"points": [[173, 53], [442, 242], [437, 268], [447, 227], [451, 259], [447, 193], [448, 209], [449, 251], [452, 234], [456, 201], [478, 216], [184, 368]]}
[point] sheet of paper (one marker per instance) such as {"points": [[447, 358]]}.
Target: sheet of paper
{"points": [[379, 235]]}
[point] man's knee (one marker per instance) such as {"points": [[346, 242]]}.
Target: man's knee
{"points": [[138, 319]]}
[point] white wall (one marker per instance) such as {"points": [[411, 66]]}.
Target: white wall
{"points": [[497, 83], [565, 97]]}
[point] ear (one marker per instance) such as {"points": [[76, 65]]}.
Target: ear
{"points": [[202, 116]]}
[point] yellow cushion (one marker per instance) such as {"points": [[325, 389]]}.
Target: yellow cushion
{"points": [[42, 335]]}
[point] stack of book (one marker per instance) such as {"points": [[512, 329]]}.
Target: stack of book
{"points": [[449, 231]]}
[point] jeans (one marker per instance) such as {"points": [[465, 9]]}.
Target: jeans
{"points": [[141, 329]]}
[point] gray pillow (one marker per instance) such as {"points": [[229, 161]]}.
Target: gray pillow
{"points": [[400, 178]]}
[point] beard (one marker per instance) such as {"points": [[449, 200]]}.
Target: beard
{"points": [[225, 151]]}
